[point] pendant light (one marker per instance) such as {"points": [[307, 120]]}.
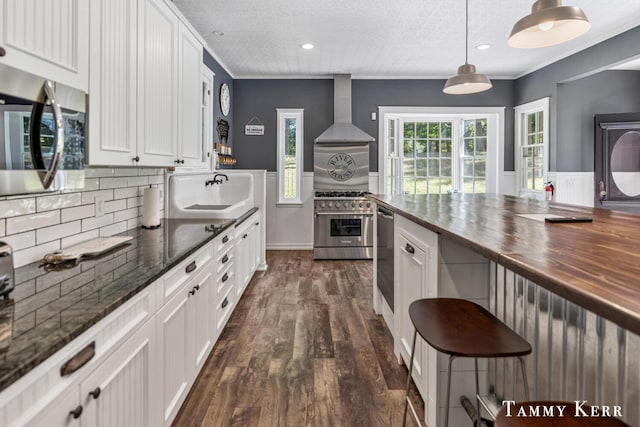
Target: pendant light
{"points": [[549, 23], [467, 80]]}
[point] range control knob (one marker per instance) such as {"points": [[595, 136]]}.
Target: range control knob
{"points": [[353, 204], [330, 204], [322, 204], [368, 204], [360, 204]]}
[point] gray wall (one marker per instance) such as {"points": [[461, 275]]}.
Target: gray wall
{"points": [[567, 155], [260, 98], [578, 102], [221, 76]]}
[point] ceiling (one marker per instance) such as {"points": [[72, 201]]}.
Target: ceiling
{"points": [[382, 38]]}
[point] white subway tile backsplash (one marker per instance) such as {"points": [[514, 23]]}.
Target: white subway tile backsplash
{"points": [[156, 179], [35, 253], [98, 172], [37, 225], [21, 240], [58, 201], [57, 232], [90, 196], [125, 193], [80, 212], [138, 181], [116, 228], [91, 223], [125, 214], [19, 224], [79, 238], [15, 207], [91, 184], [115, 205], [127, 172], [106, 183]]}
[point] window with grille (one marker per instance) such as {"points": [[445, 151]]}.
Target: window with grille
{"points": [[438, 154], [532, 130], [290, 150]]}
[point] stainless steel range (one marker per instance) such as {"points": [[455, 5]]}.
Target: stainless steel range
{"points": [[343, 225], [343, 217]]}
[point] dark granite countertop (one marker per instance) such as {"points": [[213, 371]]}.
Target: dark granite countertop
{"points": [[54, 307], [595, 264]]}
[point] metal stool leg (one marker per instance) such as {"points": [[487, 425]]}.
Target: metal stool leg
{"points": [[478, 418], [406, 396], [446, 408], [524, 377]]}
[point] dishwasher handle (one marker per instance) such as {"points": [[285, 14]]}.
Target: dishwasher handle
{"points": [[385, 214]]}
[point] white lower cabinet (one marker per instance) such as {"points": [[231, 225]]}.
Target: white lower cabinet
{"points": [[145, 359], [121, 391], [247, 250], [415, 277]]}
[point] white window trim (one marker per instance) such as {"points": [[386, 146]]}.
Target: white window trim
{"points": [[298, 114], [541, 104], [495, 162]]}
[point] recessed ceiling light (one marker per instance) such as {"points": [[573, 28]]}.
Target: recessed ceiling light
{"points": [[307, 46], [218, 33], [483, 46]]}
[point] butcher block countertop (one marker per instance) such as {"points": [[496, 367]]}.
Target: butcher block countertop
{"points": [[595, 264]]}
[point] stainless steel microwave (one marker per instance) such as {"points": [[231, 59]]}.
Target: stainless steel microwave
{"points": [[42, 129]]}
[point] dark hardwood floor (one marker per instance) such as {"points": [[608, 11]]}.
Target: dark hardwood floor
{"points": [[302, 348]]}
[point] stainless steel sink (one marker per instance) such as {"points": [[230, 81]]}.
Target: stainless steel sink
{"points": [[208, 207]]}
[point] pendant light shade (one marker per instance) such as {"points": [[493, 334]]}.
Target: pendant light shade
{"points": [[467, 80], [548, 24]]}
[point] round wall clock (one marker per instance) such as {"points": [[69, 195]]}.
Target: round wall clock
{"points": [[225, 99]]}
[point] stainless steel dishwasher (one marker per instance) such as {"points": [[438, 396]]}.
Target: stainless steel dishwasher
{"points": [[384, 271]]}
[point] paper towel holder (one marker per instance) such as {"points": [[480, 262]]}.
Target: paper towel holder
{"points": [[147, 204]]}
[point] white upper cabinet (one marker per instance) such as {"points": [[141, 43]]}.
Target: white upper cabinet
{"points": [[113, 82], [49, 38], [157, 83], [190, 148]]}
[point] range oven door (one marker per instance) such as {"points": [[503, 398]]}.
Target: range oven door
{"points": [[343, 235]]}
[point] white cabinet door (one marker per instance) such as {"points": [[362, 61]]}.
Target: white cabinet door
{"points": [[412, 275], [242, 260], [59, 412], [174, 346], [190, 148], [157, 83], [112, 83], [199, 318], [49, 38], [121, 391], [206, 114]]}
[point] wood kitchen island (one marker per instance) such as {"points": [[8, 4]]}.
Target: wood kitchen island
{"points": [[571, 289]]}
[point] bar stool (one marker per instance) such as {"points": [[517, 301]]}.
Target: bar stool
{"points": [[568, 419], [461, 328]]}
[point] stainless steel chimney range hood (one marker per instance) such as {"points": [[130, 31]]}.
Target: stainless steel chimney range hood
{"points": [[342, 130]]}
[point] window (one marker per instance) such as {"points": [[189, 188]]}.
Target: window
{"points": [[532, 141], [290, 138], [428, 153]]}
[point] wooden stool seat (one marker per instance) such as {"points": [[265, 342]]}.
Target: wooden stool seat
{"points": [[462, 328], [567, 420]]}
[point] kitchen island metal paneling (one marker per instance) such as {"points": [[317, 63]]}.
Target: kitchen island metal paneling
{"points": [[572, 290]]}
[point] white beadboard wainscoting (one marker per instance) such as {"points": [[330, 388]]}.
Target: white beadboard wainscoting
{"points": [[574, 188], [37, 224]]}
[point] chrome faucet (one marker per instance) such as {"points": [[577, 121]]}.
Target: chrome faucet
{"points": [[216, 180]]}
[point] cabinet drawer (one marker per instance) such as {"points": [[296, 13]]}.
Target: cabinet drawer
{"points": [[224, 260], [224, 308], [225, 279], [224, 241], [186, 270]]}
